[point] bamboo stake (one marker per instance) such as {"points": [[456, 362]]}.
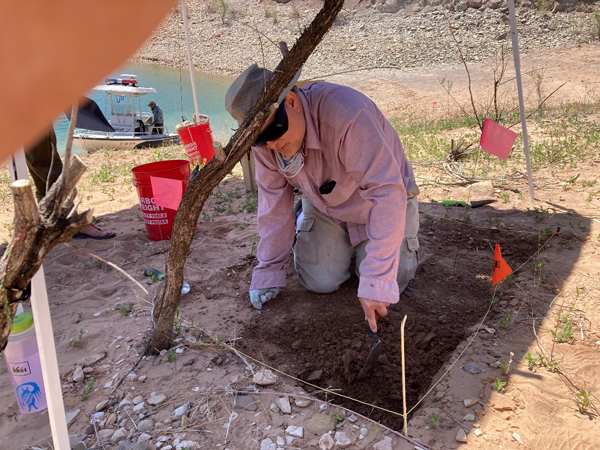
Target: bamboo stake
{"points": [[405, 429]]}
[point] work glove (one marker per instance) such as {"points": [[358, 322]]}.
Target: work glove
{"points": [[260, 296]]}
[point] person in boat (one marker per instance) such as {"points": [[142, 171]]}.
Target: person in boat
{"points": [[158, 125], [359, 193], [45, 166]]}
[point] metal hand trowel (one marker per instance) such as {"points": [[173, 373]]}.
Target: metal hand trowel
{"points": [[371, 363]]}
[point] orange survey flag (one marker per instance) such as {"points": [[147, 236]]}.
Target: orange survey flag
{"points": [[501, 269]]}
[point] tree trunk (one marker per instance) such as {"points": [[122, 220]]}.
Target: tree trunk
{"points": [[36, 231], [204, 181]]}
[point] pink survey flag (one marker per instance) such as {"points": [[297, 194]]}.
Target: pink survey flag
{"points": [[167, 192], [496, 139]]}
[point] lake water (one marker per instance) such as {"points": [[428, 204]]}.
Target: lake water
{"points": [[175, 98]]}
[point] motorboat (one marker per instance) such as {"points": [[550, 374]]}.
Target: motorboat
{"points": [[130, 127]]}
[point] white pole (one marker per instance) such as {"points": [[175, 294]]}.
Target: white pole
{"points": [[44, 335], [515, 46], [189, 53], [51, 375], [405, 429]]}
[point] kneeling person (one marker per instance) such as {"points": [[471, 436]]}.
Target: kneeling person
{"points": [[359, 193]]}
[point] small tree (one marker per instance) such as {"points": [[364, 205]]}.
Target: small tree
{"points": [[202, 182]]}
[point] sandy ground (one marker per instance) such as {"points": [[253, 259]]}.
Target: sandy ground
{"points": [[450, 323]]}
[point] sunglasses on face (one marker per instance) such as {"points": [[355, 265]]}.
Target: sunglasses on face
{"points": [[277, 129]]}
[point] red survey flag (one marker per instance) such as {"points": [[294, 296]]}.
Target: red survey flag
{"points": [[167, 192], [496, 139], [501, 268]]}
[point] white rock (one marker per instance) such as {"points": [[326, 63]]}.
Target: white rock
{"points": [[280, 441], [477, 432], [267, 444], [137, 400], [289, 440], [470, 402], [283, 403], [352, 418], [125, 402], [326, 442], [139, 407], [71, 415], [156, 399], [384, 444], [341, 440], [97, 314], [295, 431], [145, 425], [144, 437], [97, 416], [120, 435], [100, 406], [142, 378], [323, 406], [461, 436], [108, 385], [162, 439], [363, 433], [517, 438], [183, 409], [302, 402], [105, 435], [264, 377], [191, 445], [78, 374]]}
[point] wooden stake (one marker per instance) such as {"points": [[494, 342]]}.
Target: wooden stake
{"points": [[405, 429]]}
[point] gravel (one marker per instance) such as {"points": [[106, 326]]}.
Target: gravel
{"points": [[384, 35]]}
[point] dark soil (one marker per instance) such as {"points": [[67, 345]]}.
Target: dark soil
{"points": [[301, 332]]}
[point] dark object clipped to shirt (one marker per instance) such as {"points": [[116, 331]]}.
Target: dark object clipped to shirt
{"points": [[327, 188]]}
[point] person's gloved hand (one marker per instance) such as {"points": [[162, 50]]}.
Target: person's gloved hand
{"points": [[260, 296]]}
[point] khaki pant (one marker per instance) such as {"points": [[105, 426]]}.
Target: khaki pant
{"points": [[322, 252]]}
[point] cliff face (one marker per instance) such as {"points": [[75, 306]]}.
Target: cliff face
{"points": [[228, 36]]}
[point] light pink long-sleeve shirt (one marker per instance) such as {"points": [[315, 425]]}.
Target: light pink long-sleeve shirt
{"points": [[350, 141]]}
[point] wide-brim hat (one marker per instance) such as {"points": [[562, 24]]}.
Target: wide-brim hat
{"points": [[246, 89]]}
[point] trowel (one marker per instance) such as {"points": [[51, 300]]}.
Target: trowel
{"points": [[371, 363], [150, 272]]}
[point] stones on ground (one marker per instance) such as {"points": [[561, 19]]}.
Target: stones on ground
{"points": [[314, 376], [363, 433], [128, 445], [79, 446], [341, 440], [352, 418], [156, 399], [289, 440], [517, 438], [111, 420], [470, 402], [264, 377], [320, 423], [189, 445], [302, 402], [103, 404], [326, 442], [139, 407], [78, 374], [477, 432], [183, 409], [280, 441], [503, 403], [385, 444], [91, 360], [295, 431], [469, 418], [119, 435], [267, 444], [472, 368], [137, 400], [461, 436], [71, 415], [189, 362], [145, 425], [283, 403], [105, 435], [142, 378], [144, 437], [125, 402]]}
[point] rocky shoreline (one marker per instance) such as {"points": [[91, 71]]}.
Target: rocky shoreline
{"points": [[416, 37]]}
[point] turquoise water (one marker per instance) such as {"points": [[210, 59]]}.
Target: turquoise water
{"points": [[174, 96]]}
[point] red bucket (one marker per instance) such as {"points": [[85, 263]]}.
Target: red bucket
{"points": [[198, 143], [158, 220]]}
